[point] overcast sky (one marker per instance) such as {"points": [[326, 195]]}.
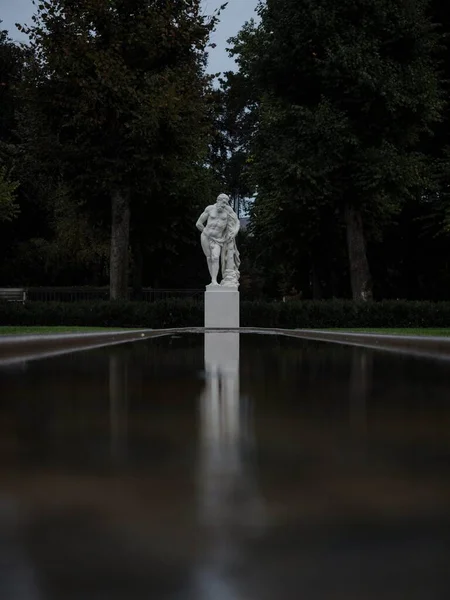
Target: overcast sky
{"points": [[231, 21]]}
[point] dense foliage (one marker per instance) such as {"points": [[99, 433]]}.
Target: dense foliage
{"points": [[10, 66], [113, 115]]}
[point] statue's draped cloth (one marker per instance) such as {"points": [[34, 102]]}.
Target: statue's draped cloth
{"points": [[230, 247]]}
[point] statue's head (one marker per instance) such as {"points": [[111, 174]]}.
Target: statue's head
{"points": [[223, 199]]}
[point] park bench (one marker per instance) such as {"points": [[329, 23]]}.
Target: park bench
{"points": [[13, 294]]}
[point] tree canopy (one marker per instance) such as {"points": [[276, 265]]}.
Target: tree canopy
{"points": [[343, 93], [121, 95]]}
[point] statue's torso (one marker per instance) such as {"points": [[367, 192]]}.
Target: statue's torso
{"points": [[217, 222]]}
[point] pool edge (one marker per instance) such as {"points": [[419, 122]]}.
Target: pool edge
{"points": [[16, 348]]}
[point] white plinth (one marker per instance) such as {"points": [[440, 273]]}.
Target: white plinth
{"points": [[221, 307]]}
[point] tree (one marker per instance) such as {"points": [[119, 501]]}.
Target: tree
{"points": [[229, 147], [345, 93], [10, 66], [8, 206], [121, 90]]}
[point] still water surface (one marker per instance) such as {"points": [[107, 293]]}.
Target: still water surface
{"points": [[218, 468]]}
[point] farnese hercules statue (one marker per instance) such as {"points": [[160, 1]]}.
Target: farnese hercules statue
{"points": [[220, 225]]}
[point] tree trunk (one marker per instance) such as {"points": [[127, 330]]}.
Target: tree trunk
{"points": [[138, 268], [316, 283], [359, 266], [120, 236], [335, 279]]}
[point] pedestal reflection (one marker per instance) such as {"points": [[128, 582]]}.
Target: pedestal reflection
{"points": [[230, 507]]}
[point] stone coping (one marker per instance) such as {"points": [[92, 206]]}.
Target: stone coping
{"points": [[425, 346], [18, 348], [22, 347]]}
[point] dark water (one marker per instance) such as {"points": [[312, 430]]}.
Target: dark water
{"points": [[151, 470]]}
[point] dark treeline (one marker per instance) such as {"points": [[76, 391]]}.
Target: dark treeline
{"points": [[336, 123]]}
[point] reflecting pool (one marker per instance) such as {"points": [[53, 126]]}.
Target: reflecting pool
{"points": [[225, 467]]}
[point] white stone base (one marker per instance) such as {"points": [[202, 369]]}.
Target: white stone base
{"points": [[221, 307]]}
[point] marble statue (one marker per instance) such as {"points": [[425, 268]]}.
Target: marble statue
{"points": [[220, 225]]}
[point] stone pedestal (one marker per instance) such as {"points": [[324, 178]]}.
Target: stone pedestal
{"points": [[221, 307]]}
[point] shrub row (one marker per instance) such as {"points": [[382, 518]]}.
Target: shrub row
{"points": [[346, 313], [154, 315], [189, 313]]}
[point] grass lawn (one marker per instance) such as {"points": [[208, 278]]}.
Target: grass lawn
{"points": [[6, 330], [444, 332]]}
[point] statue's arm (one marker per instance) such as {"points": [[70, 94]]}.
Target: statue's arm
{"points": [[202, 220]]}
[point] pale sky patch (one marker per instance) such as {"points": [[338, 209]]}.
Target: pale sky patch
{"points": [[231, 21]]}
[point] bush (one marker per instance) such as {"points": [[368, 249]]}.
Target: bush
{"points": [[189, 313], [345, 313], [153, 315]]}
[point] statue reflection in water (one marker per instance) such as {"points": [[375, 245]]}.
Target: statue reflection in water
{"points": [[230, 507]]}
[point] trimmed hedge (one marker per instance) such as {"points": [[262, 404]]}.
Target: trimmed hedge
{"points": [[189, 313], [152, 315], [345, 314]]}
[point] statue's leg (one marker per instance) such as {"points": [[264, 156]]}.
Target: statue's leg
{"points": [[206, 246], [215, 257]]}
